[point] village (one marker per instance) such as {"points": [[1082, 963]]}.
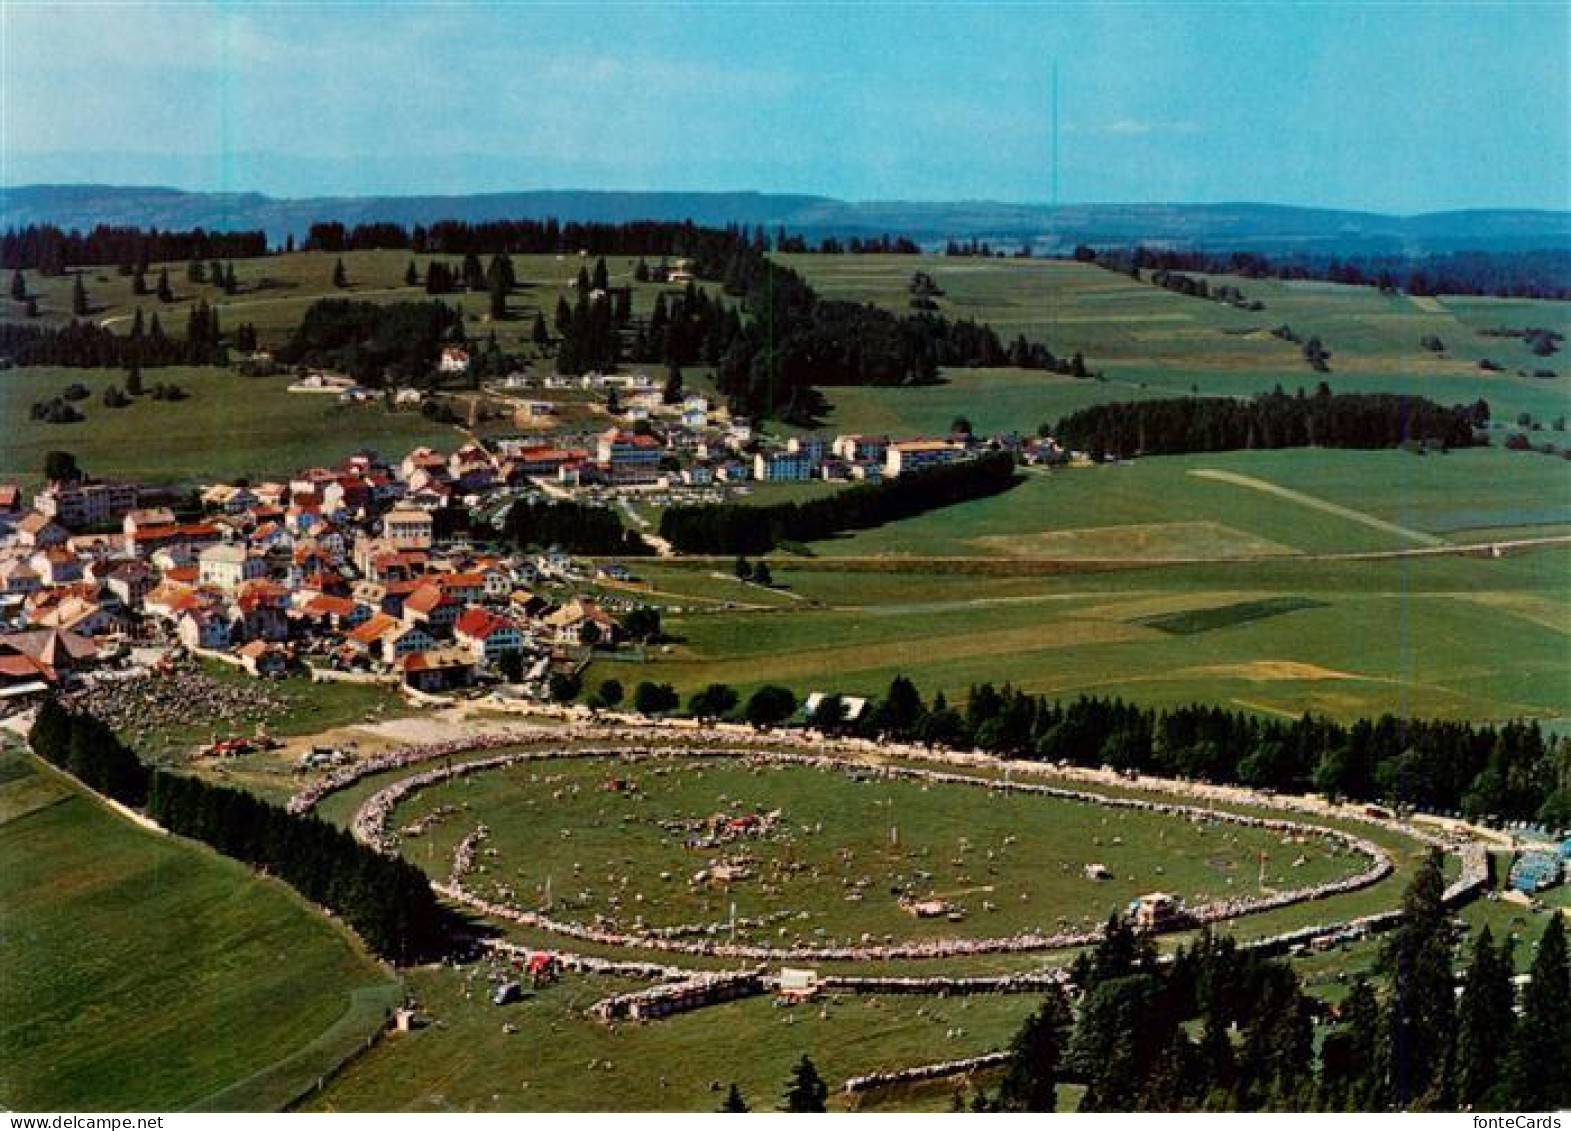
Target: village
{"points": [[392, 570]]}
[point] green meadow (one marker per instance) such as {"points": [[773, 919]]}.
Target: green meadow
{"points": [[1461, 637], [826, 871], [1243, 504], [228, 426], [275, 291], [1148, 341], [139, 972]]}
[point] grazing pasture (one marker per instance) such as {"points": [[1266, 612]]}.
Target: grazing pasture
{"points": [[1462, 637], [228, 426], [139, 972], [1148, 341]]}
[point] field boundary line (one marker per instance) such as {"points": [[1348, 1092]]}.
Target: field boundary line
{"points": [[1265, 486]]}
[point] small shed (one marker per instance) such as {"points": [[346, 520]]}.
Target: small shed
{"points": [[796, 983]]}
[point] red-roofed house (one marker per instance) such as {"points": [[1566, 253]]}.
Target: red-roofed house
{"points": [[433, 607], [487, 635]]}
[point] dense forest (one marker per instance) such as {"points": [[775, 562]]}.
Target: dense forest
{"points": [[385, 899], [51, 250], [85, 344], [1544, 274], [731, 528], [1223, 1028], [375, 343], [1269, 420], [573, 527]]}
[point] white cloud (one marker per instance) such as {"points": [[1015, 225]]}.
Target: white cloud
{"points": [[1141, 126]]}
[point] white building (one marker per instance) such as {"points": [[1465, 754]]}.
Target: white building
{"points": [[912, 455], [227, 565]]}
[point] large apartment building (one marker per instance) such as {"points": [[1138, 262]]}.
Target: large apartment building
{"points": [[77, 506]]}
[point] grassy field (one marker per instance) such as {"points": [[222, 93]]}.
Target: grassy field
{"points": [[828, 870], [1471, 638], [1242, 504], [275, 291], [232, 426], [1148, 341], [139, 972], [468, 1060], [229, 426], [558, 1060], [993, 400]]}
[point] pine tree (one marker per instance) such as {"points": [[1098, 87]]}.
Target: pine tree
{"points": [[139, 282], [734, 1101], [1421, 1012], [1538, 1072], [133, 376], [195, 272], [1484, 1022], [1030, 1081], [340, 276], [411, 276], [539, 334], [165, 291], [498, 297], [602, 280], [79, 306], [1351, 1074], [18, 286], [806, 1091], [231, 281]]}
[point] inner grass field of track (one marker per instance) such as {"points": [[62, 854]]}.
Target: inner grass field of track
{"points": [[836, 856]]}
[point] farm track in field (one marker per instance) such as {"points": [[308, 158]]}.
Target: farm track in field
{"points": [[913, 563]]}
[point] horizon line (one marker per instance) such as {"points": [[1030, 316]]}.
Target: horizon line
{"points": [[1231, 202]]}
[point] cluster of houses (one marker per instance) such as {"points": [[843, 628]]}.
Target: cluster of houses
{"points": [[344, 568], [701, 457], [340, 567]]}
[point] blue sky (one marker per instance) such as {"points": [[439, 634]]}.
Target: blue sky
{"points": [[1403, 107]]}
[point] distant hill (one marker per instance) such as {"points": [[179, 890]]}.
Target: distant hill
{"points": [[1267, 228]]}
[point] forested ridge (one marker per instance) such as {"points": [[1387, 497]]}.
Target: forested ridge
{"points": [[52, 250], [1542, 273]]}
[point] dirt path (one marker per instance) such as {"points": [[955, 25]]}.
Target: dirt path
{"points": [[1267, 487]]}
